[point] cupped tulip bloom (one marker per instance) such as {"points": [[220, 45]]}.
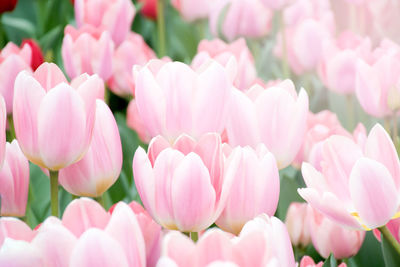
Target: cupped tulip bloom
{"points": [[252, 247], [100, 167], [149, 8], [297, 224], [237, 18], [87, 50], [255, 187], [115, 16], [133, 51], [13, 228], [275, 117], [173, 99], [329, 237], [319, 127], [182, 186], [3, 124], [134, 121], [338, 66], [192, 10], [378, 84], [243, 70], [53, 120], [37, 54], [7, 6], [12, 61], [307, 261], [14, 182], [357, 187]]}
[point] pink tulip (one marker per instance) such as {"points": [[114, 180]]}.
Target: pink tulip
{"points": [[55, 243], [319, 127], [194, 177], [151, 233], [357, 187], [307, 261], [307, 25], [14, 182], [251, 248], [115, 16], [102, 163], [175, 99], [17, 253], [244, 71], [83, 214], [53, 121], [248, 18], [275, 4], [133, 51], [378, 83], [339, 62], [15, 229], [192, 10], [329, 237], [297, 224], [87, 50], [3, 123], [255, 187], [97, 248], [12, 61], [275, 117]]}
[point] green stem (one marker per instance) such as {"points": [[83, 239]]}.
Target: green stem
{"points": [[394, 133], [54, 192], [11, 127], [285, 66], [389, 237], [194, 236], [161, 28], [386, 124], [350, 112], [100, 200]]}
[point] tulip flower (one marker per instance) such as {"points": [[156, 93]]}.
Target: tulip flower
{"points": [[275, 4], [251, 248], [329, 237], [100, 167], [12, 61], [7, 5], [133, 51], [114, 16], [3, 123], [14, 182], [13, 228], [37, 55], [87, 50], [149, 8], [357, 187], [192, 10], [133, 120], [175, 99], [275, 117], [193, 192], [244, 72], [297, 224], [20, 253], [240, 19], [54, 121], [255, 187], [307, 261]]}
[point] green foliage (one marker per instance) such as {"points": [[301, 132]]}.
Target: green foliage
{"points": [[390, 256], [330, 262]]}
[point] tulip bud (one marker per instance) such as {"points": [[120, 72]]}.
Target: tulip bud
{"points": [[149, 8], [297, 224], [37, 55], [14, 182], [7, 5]]}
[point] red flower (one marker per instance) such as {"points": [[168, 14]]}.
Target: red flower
{"points": [[37, 55], [7, 5], [149, 8]]}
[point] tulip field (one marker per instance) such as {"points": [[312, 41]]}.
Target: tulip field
{"points": [[199, 133]]}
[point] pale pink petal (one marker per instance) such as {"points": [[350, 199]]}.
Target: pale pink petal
{"points": [[179, 248], [49, 75]]}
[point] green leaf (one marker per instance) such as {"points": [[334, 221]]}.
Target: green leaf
{"points": [[17, 29], [370, 253], [330, 262], [391, 257]]}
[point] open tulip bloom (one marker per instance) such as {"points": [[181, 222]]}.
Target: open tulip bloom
{"points": [[184, 133]]}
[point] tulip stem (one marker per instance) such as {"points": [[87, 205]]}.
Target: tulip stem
{"points": [[194, 236], [54, 192], [390, 238], [161, 27], [285, 66], [395, 132], [100, 200]]}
